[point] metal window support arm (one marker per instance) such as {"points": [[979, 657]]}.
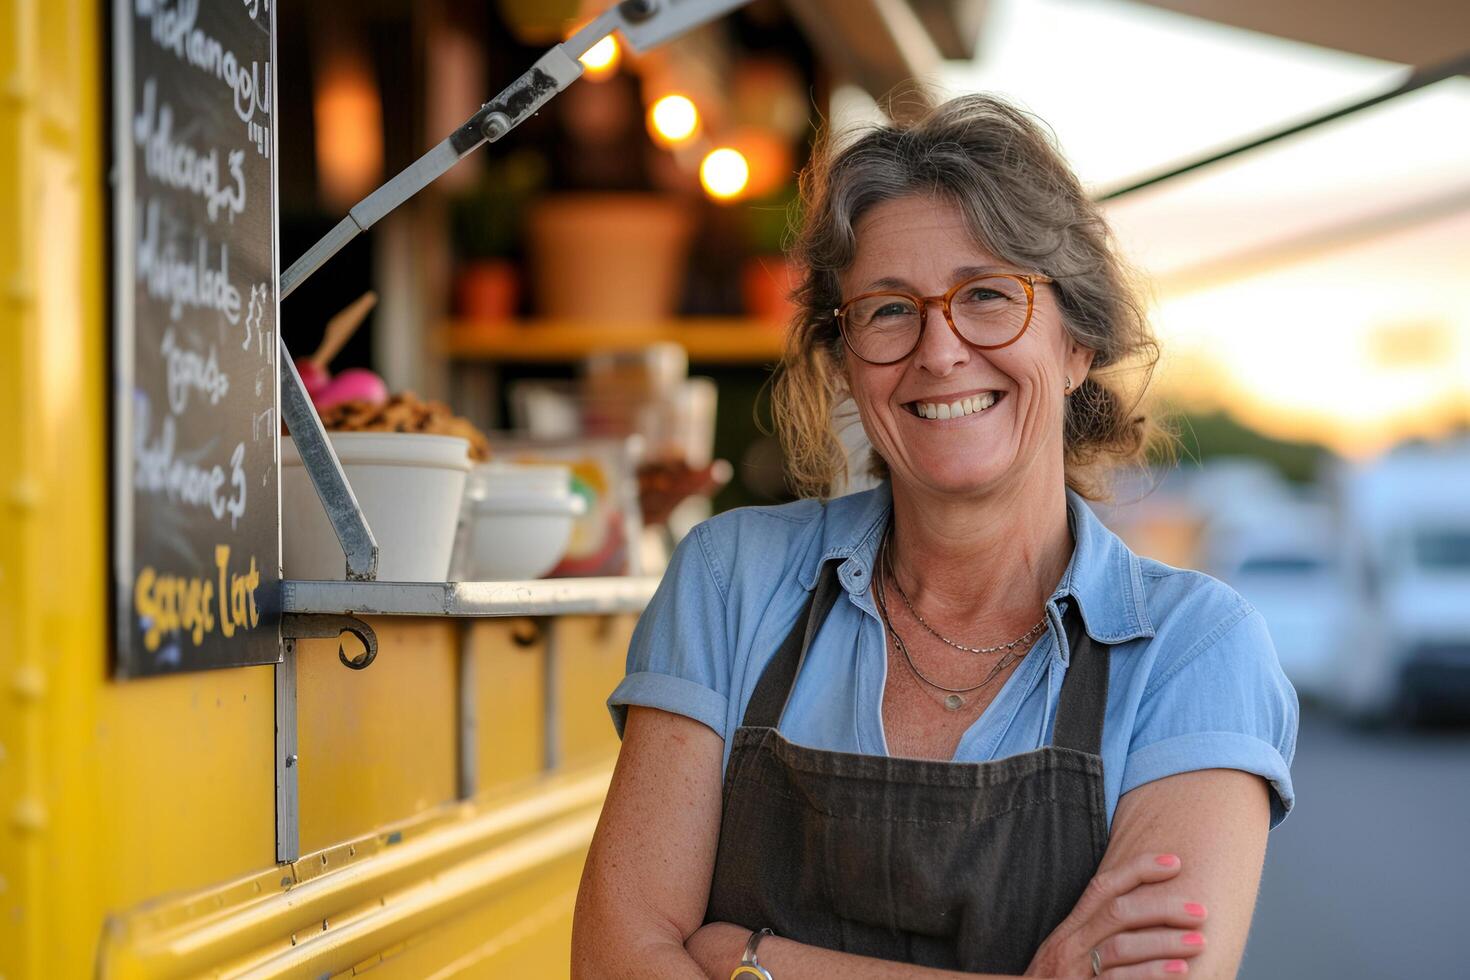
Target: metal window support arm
{"points": [[644, 24]]}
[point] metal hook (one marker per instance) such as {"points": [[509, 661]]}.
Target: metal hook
{"points": [[303, 626], [369, 653]]}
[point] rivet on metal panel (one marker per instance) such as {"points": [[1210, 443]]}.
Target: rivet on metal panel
{"points": [[525, 633], [293, 939], [25, 494], [29, 816], [29, 683], [326, 924], [352, 850], [290, 761], [324, 860], [18, 291], [15, 91]]}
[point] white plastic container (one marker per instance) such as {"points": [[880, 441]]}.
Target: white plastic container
{"points": [[520, 518], [410, 487]]}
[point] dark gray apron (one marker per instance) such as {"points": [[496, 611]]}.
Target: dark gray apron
{"points": [[965, 866]]}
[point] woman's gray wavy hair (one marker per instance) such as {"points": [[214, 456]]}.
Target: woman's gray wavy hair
{"points": [[1022, 202]]}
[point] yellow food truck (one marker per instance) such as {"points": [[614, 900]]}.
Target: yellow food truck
{"points": [[197, 777]]}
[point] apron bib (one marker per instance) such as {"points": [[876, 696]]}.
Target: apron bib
{"points": [[965, 866]]}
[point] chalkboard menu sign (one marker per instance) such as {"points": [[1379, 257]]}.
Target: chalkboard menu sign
{"points": [[196, 500]]}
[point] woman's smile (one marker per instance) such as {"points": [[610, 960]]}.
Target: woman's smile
{"points": [[955, 408]]}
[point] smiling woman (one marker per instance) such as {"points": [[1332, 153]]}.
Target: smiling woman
{"points": [[979, 177], [951, 723]]}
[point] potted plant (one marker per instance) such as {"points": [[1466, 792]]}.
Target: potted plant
{"points": [[486, 224], [767, 275]]}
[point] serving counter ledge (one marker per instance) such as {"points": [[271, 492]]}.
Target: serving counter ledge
{"points": [[540, 597]]}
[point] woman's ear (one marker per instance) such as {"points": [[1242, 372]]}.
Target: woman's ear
{"points": [[1079, 362]]}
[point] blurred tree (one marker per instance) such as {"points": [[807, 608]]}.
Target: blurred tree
{"points": [[1207, 435]]}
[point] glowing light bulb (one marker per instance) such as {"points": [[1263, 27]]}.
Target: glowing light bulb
{"points": [[601, 58], [673, 119], [724, 173]]}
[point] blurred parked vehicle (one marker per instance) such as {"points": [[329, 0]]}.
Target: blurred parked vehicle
{"points": [[1288, 559], [1409, 514]]}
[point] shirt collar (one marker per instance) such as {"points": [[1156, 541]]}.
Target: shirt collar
{"points": [[1103, 576]]}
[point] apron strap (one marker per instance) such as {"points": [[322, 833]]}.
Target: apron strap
{"points": [[768, 703], [1080, 709], [1084, 697]]}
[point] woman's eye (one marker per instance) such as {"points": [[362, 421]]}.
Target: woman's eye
{"points": [[980, 294], [894, 309]]}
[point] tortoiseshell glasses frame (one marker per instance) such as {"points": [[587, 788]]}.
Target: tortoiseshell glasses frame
{"points": [[1027, 281]]}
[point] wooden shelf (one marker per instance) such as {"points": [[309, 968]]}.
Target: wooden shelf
{"points": [[708, 341]]}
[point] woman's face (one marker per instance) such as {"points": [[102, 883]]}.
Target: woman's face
{"points": [[920, 245]]}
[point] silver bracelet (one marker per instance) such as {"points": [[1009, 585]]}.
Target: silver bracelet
{"points": [[749, 967]]}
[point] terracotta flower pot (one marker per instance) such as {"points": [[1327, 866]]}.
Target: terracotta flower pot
{"points": [[609, 256], [487, 290]]}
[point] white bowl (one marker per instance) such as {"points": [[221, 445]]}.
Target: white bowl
{"points": [[525, 479], [409, 486], [520, 536]]}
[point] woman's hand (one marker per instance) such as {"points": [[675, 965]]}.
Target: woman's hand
{"points": [[1140, 933]]}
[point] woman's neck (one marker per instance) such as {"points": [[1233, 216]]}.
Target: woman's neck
{"points": [[986, 563]]}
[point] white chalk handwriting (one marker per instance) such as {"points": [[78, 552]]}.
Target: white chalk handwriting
{"points": [[172, 23], [181, 166], [190, 371], [159, 469], [184, 281]]}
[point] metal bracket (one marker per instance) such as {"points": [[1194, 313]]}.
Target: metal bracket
{"points": [[325, 469], [303, 626], [288, 800]]}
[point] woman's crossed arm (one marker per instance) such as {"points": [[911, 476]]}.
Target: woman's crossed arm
{"points": [[646, 883]]}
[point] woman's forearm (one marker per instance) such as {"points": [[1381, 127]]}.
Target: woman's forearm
{"points": [[717, 948], [655, 959]]}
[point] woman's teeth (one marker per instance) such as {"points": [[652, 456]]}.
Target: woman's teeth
{"points": [[953, 410]]}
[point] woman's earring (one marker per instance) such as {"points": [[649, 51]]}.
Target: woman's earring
{"points": [[1068, 389]]}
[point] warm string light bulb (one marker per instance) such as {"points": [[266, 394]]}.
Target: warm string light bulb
{"points": [[602, 58], [673, 119], [724, 173]]}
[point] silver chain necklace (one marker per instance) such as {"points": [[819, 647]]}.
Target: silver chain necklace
{"points": [[954, 697], [1023, 638]]}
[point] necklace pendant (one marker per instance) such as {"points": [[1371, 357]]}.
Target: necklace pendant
{"points": [[954, 702]]}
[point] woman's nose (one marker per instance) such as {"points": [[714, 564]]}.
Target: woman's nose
{"points": [[940, 350]]}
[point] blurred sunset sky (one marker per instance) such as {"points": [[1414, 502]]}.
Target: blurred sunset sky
{"points": [[1315, 288]]}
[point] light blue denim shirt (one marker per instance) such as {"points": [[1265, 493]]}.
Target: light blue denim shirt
{"points": [[1194, 682]]}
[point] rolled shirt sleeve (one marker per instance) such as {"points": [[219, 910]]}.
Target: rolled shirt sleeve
{"points": [[1224, 703], [677, 659]]}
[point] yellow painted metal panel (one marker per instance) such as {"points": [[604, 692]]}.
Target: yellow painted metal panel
{"points": [[510, 693], [523, 933], [590, 661], [500, 863], [376, 745], [114, 797], [185, 773]]}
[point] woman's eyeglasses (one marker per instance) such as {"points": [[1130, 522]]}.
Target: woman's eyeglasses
{"points": [[989, 312]]}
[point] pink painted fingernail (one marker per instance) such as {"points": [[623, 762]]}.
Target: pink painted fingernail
{"points": [[1166, 861], [1176, 966], [1193, 939], [1194, 908]]}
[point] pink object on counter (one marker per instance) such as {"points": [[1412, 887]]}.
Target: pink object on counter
{"points": [[354, 384], [313, 376]]}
